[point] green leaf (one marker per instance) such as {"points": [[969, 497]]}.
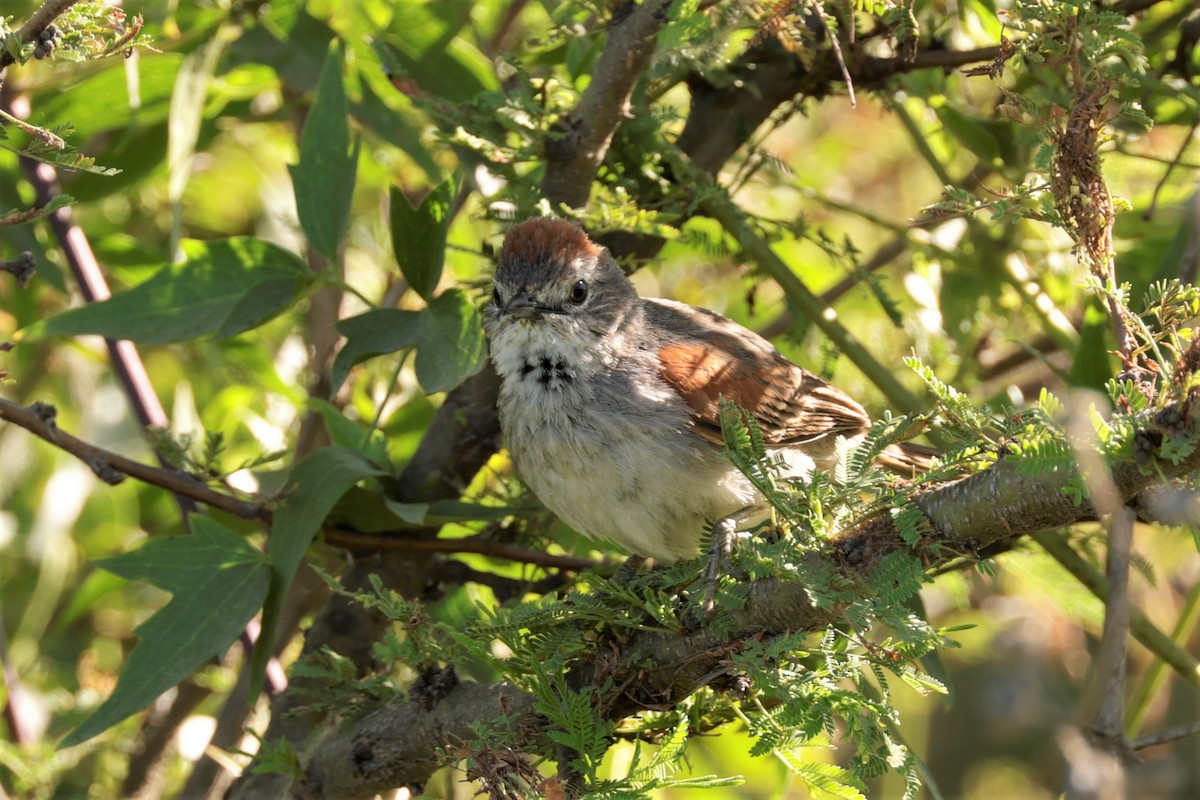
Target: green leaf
{"points": [[312, 489], [103, 102], [347, 433], [828, 778], [310, 493], [1091, 366], [372, 333], [427, 50], [218, 582], [324, 178], [371, 511], [450, 342], [224, 287], [419, 235], [448, 335]]}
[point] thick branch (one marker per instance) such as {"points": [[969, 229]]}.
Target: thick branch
{"points": [[397, 746], [657, 668], [580, 140]]}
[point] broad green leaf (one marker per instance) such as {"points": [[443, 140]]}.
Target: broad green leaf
{"points": [[289, 40], [312, 490], [371, 511], [444, 512], [372, 333], [102, 101], [447, 333], [349, 434], [218, 582], [1091, 366], [419, 235], [450, 344], [412, 513], [223, 287], [973, 133], [324, 178], [392, 121]]}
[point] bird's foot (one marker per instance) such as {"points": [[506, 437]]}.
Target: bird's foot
{"points": [[720, 559]]}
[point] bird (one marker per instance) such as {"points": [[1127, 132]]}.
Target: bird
{"points": [[609, 402]]}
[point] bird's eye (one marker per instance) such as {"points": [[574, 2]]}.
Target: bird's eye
{"points": [[578, 292], [496, 295]]}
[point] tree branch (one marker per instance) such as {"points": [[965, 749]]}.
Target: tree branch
{"points": [[580, 139], [1162, 737], [365, 542], [398, 745], [110, 467], [41, 18], [662, 667], [1108, 727]]}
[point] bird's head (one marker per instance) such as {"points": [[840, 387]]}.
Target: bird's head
{"points": [[552, 278]]}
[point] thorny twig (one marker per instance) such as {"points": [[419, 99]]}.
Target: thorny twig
{"points": [[1162, 737], [46, 13]]}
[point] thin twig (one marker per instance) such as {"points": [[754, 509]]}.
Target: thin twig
{"points": [[1168, 735], [819, 9], [1174, 162], [112, 467], [1152, 682], [472, 544], [920, 140]]}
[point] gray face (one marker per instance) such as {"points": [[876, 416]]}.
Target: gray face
{"points": [[552, 276]]}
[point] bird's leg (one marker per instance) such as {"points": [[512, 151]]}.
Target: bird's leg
{"points": [[720, 555]]}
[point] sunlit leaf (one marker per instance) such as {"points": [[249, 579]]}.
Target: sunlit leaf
{"points": [[310, 493], [218, 582], [223, 287], [448, 335], [419, 235], [324, 178]]}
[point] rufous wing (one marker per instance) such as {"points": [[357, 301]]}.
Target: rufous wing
{"points": [[790, 404]]}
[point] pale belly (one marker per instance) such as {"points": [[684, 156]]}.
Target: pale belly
{"points": [[641, 480]]}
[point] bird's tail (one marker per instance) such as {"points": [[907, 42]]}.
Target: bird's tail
{"points": [[907, 459]]}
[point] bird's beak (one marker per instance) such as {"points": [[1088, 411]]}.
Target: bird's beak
{"points": [[522, 306]]}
